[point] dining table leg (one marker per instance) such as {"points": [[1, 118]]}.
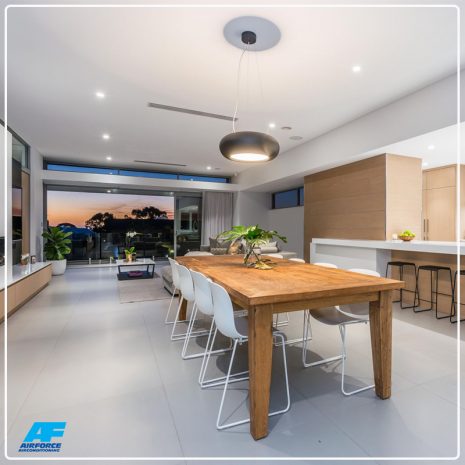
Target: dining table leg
{"points": [[183, 309], [260, 360], [381, 342]]}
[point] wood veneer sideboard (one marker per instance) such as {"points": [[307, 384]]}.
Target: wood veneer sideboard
{"points": [[23, 289]]}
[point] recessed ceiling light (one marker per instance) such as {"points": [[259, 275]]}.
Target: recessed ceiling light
{"points": [[272, 125], [99, 94], [105, 136], [431, 147], [296, 137], [209, 168], [108, 158], [286, 128], [425, 163], [356, 69]]}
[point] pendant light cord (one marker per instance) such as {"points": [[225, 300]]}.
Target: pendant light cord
{"points": [[237, 87]]}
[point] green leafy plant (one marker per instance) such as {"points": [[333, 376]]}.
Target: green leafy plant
{"points": [[254, 237], [130, 251], [57, 243]]}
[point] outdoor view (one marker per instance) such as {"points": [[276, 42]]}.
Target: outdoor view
{"points": [[103, 225]]}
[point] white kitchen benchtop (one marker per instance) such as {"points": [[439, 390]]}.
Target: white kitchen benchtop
{"points": [[412, 246], [20, 272]]}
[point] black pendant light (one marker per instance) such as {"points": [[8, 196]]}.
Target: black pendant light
{"points": [[248, 146]]}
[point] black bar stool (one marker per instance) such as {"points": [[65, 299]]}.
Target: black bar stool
{"points": [[401, 266], [453, 307], [433, 269]]}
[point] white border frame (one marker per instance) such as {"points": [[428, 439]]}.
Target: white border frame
{"points": [[276, 6]]}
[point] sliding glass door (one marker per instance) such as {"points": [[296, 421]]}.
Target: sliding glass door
{"points": [[188, 223], [104, 223]]}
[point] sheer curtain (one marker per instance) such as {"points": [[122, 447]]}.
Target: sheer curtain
{"points": [[217, 214]]}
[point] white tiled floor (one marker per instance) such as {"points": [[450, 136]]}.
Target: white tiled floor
{"points": [[76, 354]]}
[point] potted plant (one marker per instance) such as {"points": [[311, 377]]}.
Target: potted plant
{"points": [[253, 237], [56, 248], [130, 254]]}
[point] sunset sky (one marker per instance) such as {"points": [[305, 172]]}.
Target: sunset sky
{"points": [[77, 207]]}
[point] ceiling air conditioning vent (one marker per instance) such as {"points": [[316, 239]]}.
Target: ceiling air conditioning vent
{"points": [[158, 163], [190, 112]]}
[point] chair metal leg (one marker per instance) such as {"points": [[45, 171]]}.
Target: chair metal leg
{"points": [[296, 340], [247, 420], [307, 332], [167, 322], [181, 336], [219, 381], [453, 305], [437, 293], [417, 293], [342, 330], [278, 323]]}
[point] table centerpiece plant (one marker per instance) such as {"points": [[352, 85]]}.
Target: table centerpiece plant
{"points": [[253, 237]]}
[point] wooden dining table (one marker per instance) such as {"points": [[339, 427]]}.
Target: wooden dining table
{"points": [[288, 287]]}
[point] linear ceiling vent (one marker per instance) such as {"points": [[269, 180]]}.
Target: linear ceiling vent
{"points": [[158, 163], [190, 112]]}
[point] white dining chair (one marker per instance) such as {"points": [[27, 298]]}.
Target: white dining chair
{"points": [[204, 301], [340, 316], [273, 255], [326, 265], [237, 330], [186, 288], [197, 253], [203, 304], [175, 278], [297, 260]]}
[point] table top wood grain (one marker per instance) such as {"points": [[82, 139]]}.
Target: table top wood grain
{"points": [[288, 281]]}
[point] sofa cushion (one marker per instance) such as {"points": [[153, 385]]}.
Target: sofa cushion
{"points": [[218, 250], [217, 244], [268, 249]]}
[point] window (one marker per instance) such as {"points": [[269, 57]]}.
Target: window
{"points": [[289, 198], [128, 172], [20, 151]]}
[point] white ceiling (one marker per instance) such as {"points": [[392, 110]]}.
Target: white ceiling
{"points": [[58, 58], [436, 148]]}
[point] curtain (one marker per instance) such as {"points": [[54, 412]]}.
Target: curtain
{"points": [[217, 214]]}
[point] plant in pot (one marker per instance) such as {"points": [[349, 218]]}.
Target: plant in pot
{"points": [[130, 254], [56, 248], [253, 237]]}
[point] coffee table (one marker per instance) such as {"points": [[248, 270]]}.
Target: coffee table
{"points": [[148, 273]]}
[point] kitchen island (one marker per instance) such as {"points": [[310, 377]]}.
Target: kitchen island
{"points": [[375, 254]]}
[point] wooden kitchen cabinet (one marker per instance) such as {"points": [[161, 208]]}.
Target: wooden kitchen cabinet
{"points": [[440, 204]]}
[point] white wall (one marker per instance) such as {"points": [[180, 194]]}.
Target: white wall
{"points": [[290, 223], [251, 208], [37, 207]]}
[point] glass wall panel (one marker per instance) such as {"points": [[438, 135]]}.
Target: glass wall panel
{"points": [[104, 224], [188, 223]]}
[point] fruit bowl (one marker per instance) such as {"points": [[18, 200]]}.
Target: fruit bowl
{"points": [[407, 238]]}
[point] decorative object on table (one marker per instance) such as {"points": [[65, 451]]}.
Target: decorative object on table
{"points": [[407, 235], [249, 146], [130, 254], [56, 248], [253, 237], [33, 259], [25, 259], [135, 274]]}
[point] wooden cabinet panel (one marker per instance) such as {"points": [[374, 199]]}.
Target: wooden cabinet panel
{"points": [[23, 290], [440, 177], [440, 214]]}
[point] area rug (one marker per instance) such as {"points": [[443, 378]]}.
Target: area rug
{"points": [[142, 290]]}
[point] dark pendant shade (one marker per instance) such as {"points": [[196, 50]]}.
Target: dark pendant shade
{"points": [[248, 146]]}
